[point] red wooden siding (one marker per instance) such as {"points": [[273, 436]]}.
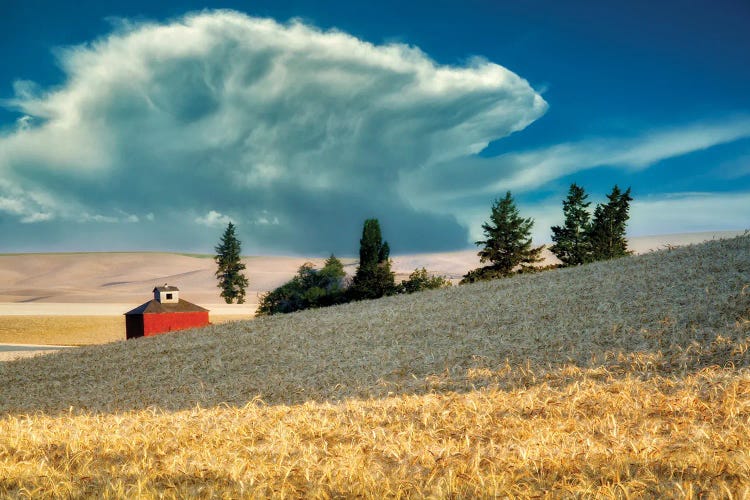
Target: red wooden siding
{"points": [[154, 324]]}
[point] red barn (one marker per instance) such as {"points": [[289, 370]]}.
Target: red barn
{"points": [[167, 312]]}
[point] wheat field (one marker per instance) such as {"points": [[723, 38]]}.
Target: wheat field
{"points": [[616, 379], [70, 330]]}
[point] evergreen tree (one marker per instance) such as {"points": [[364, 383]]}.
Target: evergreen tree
{"points": [[571, 241], [372, 250], [373, 278], [333, 270], [508, 244], [607, 233], [229, 273]]}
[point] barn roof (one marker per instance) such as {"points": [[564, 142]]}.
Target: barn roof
{"points": [[166, 288], [156, 307]]}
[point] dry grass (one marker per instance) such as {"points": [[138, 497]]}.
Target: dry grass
{"points": [[586, 433], [70, 330], [619, 379], [61, 330]]}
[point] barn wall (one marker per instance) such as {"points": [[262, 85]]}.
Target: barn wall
{"points": [[133, 326], [155, 324]]}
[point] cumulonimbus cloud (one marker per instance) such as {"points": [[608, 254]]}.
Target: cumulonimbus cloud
{"points": [[254, 120]]}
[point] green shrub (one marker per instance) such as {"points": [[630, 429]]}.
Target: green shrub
{"points": [[421, 280]]}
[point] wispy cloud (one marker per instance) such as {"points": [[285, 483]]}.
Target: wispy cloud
{"points": [[529, 170], [688, 212], [664, 213]]}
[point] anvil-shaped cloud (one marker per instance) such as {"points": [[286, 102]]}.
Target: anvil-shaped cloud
{"points": [[295, 134]]}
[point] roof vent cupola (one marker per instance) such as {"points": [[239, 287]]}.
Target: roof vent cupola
{"points": [[167, 294]]}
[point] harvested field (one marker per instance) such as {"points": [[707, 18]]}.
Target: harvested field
{"points": [[61, 330], [71, 330], [617, 379]]}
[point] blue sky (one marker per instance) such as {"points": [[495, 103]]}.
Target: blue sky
{"points": [[148, 126]]}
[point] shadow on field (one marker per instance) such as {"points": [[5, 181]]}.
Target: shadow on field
{"points": [[166, 374], [661, 314]]}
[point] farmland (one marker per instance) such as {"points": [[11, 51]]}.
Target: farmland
{"points": [[617, 379], [71, 330]]}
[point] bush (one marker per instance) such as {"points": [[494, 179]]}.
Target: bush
{"points": [[310, 288], [420, 280]]}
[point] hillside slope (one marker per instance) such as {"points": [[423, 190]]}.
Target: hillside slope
{"points": [[677, 310], [127, 277]]}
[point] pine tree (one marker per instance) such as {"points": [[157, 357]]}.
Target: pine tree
{"points": [[508, 244], [373, 278], [333, 270], [229, 273], [607, 234], [571, 241]]}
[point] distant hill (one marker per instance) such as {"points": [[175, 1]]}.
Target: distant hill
{"points": [[127, 278]]}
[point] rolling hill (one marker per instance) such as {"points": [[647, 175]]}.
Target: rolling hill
{"points": [[583, 316], [37, 282], [614, 378]]}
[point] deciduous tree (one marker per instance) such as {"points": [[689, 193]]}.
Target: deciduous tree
{"points": [[309, 288], [420, 280]]}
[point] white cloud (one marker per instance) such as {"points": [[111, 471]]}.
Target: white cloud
{"points": [[218, 113], [24, 123], [301, 134], [213, 219], [87, 217], [265, 218], [27, 206]]}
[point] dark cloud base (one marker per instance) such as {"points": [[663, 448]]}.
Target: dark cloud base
{"points": [[314, 233]]}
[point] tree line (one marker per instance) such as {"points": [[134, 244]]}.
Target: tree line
{"points": [[507, 250], [312, 288], [581, 239]]}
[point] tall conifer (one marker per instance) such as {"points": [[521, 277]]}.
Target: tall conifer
{"points": [[607, 234], [229, 272], [373, 278], [508, 244], [571, 241]]}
